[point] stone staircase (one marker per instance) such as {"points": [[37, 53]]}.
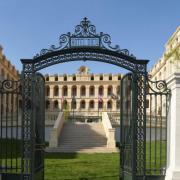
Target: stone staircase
{"points": [[82, 137]]}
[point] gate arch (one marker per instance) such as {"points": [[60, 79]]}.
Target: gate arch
{"points": [[84, 44]]}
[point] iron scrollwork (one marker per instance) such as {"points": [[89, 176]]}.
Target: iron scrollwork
{"points": [[85, 35], [10, 86], [157, 86]]}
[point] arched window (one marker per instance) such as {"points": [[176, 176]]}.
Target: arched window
{"points": [[47, 90], [91, 104], [73, 104], [101, 77], [56, 78], [47, 104], [110, 90], [74, 77], [83, 91], [65, 77], [47, 78], [91, 91], [83, 104], [56, 104], [65, 91], [74, 91], [110, 77], [92, 77], [109, 104], [56, 91], [101, 90], [100, 104]]}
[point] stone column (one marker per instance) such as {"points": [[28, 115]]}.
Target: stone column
{"points": [[51, 91], [173, 129], [105, 91], [87, 91], [69, 91]]}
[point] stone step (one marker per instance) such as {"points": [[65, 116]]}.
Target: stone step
{"points": [[82, 137], [85, 150]]}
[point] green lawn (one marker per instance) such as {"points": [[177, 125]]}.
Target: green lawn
{"points": [[82, 166], [62, 166]]}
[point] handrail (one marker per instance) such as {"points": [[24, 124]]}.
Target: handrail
{"points": [[56, 130], [109, 130]]}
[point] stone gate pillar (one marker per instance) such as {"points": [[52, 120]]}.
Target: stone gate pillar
{"points": [[173, 129]]}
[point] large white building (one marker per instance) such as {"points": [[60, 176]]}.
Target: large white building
{"points": [[83, 93]]}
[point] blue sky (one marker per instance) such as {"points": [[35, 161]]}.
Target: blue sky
{"points": [[141, 26]]}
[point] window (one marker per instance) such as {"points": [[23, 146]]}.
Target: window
{"points": [[47, 78], [65, 77], [91, 91], [91, 104], [101, 90], [83, 91], [56, 91], [110, 77], [56, 104], [83, 104], [101, 77], [65, 91], [74, 91], [56, 78], [74, 77], [109, 90], [109, 104], [92, 77]]}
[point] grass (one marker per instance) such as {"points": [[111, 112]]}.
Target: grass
{"points": [[82, 166], [62, 166]]}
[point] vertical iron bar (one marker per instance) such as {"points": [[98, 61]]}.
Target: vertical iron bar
{"points": [[155, 147], [12, 107], [161, 126], [6, 139], [150, 141], [16, 135]]}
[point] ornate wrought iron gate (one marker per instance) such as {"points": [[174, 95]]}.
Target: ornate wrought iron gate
{"points": [[143, 143]]}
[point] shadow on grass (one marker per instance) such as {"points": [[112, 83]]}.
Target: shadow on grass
{"points": [[60, 155]]}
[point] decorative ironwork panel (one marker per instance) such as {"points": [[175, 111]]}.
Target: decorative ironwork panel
{"points": [[10, 129], [157, 105], [27, 123], [85, 36]]}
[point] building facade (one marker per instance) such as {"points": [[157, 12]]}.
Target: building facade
{"points": [[83, 93], [7, 70], [170, 60]]}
